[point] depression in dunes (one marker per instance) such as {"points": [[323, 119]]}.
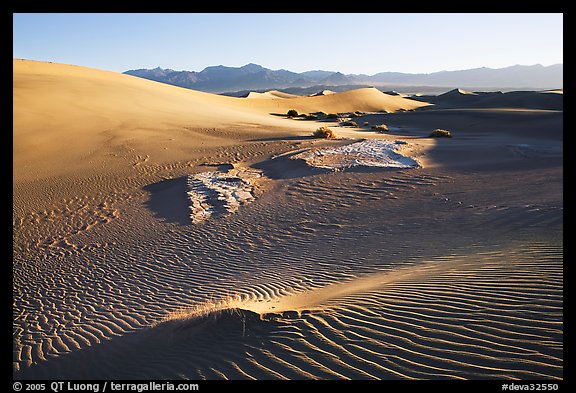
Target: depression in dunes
{"points": [[166, 233]]}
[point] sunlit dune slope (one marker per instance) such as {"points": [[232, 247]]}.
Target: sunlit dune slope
{"points": [[270, 94], [365, 99], [65, 115]]}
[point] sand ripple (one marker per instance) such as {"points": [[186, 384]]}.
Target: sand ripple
{"points": [[460, 316], [288, 291]]}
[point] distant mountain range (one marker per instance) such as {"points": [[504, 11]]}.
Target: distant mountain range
{"points": [[219, 79]]}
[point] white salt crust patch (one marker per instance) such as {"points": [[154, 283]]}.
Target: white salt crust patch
{"points": [[226, 191], [370, 152]]}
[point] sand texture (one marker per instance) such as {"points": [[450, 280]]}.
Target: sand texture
{"points": [[165, 233]]}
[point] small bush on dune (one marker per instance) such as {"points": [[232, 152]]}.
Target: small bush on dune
{"points": [[348, 124], [440, 133], [324, 132], [332, 116], [292, 113], [311, 116], [380, 128]]}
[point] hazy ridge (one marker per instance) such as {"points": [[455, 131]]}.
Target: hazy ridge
{"points": [[220, 79]]}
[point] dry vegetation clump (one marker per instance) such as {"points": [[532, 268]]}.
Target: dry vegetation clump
{"points": [[324, 132], [440, 133], [332, 116], [380, 128], [348, 123], [292, 113]]}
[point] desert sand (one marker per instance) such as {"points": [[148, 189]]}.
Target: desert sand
{"points": [[451, 268]]}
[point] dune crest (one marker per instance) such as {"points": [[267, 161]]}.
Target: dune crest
{"points": [[322, 93], [271, 94]]}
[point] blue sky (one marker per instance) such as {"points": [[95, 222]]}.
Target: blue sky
{"points": [[349, 43]]}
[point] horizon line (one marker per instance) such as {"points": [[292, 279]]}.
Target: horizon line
{"points": [[297, 72]]}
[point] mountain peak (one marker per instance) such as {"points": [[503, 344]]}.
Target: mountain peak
{"points": [[251, 67]]}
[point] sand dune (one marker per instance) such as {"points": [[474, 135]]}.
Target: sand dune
{"points": [[451, 270], [535, 100], [365, 99], [270, 94], [64, 111], [457, 93], [323, 93], [430, 322]]}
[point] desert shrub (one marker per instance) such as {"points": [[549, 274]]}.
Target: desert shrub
{"points": [[324, 132], [380, 128], [292, 113], [440, 133], [332, 116], [311, 116], [348, 124], [358, 113]]}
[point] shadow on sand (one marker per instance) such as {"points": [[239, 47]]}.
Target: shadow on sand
{"points": [[171, 350], [284, 167], [168, 200]]}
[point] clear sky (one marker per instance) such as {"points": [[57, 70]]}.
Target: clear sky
{"points": [[347, 42]]}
